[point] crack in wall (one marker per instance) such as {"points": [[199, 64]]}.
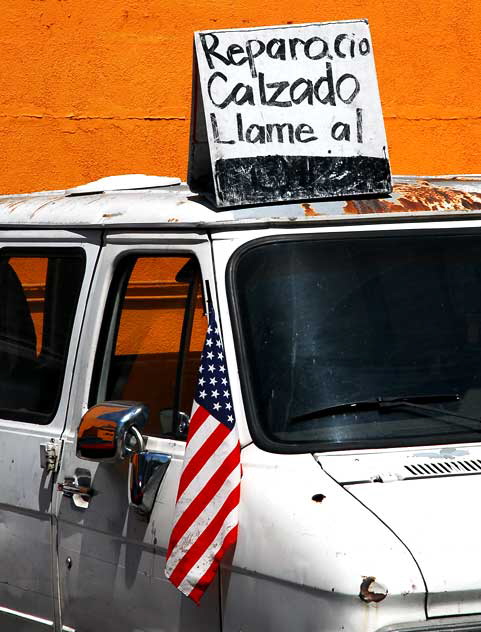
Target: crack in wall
{"points": [[432, 118], [75, 117], [80, 117]]}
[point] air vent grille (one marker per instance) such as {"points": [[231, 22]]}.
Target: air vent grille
{"points": [[444, 468]]}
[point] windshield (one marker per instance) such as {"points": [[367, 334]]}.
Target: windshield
{"points": [[325, 322]]}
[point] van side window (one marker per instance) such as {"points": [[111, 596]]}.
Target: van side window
{"points": [[152, 338], [38, 300]]}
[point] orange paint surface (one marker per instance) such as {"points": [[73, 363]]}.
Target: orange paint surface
{"points": [[32, 274], [153, 313], [90, 89]]}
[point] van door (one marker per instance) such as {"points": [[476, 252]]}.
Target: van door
{"points": [[142, 340], [44, 281]]}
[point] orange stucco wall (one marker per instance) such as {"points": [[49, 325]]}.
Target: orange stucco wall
{"points": [[90, 88]]}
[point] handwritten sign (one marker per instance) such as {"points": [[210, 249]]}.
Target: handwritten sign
{"points": [[291, 112]]}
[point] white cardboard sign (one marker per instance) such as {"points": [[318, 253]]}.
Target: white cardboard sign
{"points": [[291, 112]]}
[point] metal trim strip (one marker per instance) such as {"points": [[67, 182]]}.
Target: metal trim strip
{"points": [[29, 617]]}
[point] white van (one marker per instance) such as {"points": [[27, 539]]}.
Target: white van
{"points": [[352, 332]]}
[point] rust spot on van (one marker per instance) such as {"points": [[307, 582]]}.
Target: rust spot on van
{"points": [[420, 196], [109, 215], [318, 498], [308, 210], [371, 591]]}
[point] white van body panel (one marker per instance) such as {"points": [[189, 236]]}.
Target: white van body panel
{"points": [[306, 559], [28, 600], [115, 578], [426, 497]]}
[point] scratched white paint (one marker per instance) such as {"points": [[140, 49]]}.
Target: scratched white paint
{"points": [[168, 207]]}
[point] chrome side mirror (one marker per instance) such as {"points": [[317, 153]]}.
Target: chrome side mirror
{"points": [[110, 431]]}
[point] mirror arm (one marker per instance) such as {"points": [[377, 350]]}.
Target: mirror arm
{"points": [[147, 471], [128, 451]]}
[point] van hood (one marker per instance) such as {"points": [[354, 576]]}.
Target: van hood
{"points": [[431, 499]]}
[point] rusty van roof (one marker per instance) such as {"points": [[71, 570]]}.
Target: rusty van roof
{"points": [[169, 205]]}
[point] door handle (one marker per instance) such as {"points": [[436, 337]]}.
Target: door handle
{"points": [[69, 488], [77, 488], [147, 471]]}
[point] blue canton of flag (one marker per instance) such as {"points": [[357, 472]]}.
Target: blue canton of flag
{"points": [[213, 388]]}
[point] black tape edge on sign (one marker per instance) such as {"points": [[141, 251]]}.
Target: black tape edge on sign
{"points": [[264, 179]]}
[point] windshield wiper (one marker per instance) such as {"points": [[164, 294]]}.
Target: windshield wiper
{"points": [[412, 402]]}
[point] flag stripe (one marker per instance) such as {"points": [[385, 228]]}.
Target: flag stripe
{"points": [[200, 502], [202, 433], [209, 575], [207, 471], [199, 459], [196, 528], [205, 538], [196, 421], [203, 563]]}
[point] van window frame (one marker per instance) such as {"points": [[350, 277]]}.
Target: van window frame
{"points": [[111, 318], [259, 436], [46, 252]]}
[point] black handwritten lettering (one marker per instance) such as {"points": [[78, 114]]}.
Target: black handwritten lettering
{"points": [[341, 131], [279, 128], [252, 54], [240, 127], [240, 93], [210, 50], [215, 132], [330, 96], [314, 49], [355, 90], [212, 78], [337, 45], [235, 49], [364, 46], [304, 128], [281, 93], [322, 53], [278, 88], [256, 134], [276, 49], [306, 94], [359, 124], [274, 132], [293, 42]]}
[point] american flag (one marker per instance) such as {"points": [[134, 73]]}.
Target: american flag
{"points": [[205, 522]]}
